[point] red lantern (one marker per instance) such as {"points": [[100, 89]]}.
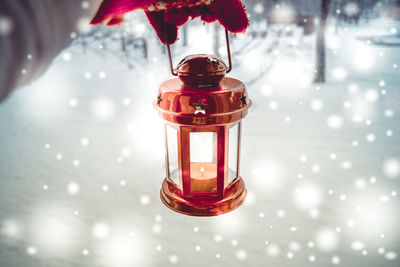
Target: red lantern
{"points": [[202, 110]]}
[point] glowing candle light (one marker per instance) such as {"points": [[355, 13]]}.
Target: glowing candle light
{"points": [[203, 176]]}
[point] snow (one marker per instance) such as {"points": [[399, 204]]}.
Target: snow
{"points": [[82, 161]]}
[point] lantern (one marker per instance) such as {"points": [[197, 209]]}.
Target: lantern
{"points": [[202, 111]]}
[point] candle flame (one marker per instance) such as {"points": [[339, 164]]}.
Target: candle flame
{"points": [[202, 171]]}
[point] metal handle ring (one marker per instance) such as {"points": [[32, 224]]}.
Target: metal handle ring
{"points": [[175, 72]]}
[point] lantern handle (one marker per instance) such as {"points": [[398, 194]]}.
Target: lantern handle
{"points": [[171, 66], [228, 48]]}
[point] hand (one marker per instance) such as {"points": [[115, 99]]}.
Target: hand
{"points": [[166, 16]]}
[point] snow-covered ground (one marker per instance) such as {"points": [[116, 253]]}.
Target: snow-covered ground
{"points": [[81, 162]]}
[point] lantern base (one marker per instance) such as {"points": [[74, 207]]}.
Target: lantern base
{"points": [[235, 194]]}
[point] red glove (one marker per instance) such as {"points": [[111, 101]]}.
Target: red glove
{"points": [[167, 15]]}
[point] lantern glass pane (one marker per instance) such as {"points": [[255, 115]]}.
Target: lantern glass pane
{"points": [[201, 146], [233, 153], [203, 161], [172, 150]]}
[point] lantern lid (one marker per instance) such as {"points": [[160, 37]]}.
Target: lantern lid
{"points": [[224, 103], [201, 70], [201, 64]]}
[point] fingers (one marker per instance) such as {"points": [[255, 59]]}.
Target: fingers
{"points": [[231, 14], [112, 11], [176, 16], [165, 31]]}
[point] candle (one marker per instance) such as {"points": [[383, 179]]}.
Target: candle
{"points": [[203, 176]]}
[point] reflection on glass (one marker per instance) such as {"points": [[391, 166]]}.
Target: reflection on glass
{"points": [[172, 147], [233, 153]]}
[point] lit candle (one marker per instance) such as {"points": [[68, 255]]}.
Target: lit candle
{"points": [[203, 176]]}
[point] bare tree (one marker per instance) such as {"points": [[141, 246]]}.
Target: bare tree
{"points": [[115, 41], [321, 50]]}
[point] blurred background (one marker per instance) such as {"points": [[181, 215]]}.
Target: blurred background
{"points": [[82, 153]]}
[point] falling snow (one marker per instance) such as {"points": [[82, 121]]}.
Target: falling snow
{"points": [[82, 159]]}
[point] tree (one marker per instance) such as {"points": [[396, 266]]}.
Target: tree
{"points": [[321, 50]]}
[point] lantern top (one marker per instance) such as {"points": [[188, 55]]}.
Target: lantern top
{"points": [[224, 103], [199, 71]]}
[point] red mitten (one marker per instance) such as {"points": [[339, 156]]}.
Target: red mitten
{"points": [[167, 15], [110, 10]]}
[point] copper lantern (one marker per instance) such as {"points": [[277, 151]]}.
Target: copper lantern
{"points": [[202, 110]]}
